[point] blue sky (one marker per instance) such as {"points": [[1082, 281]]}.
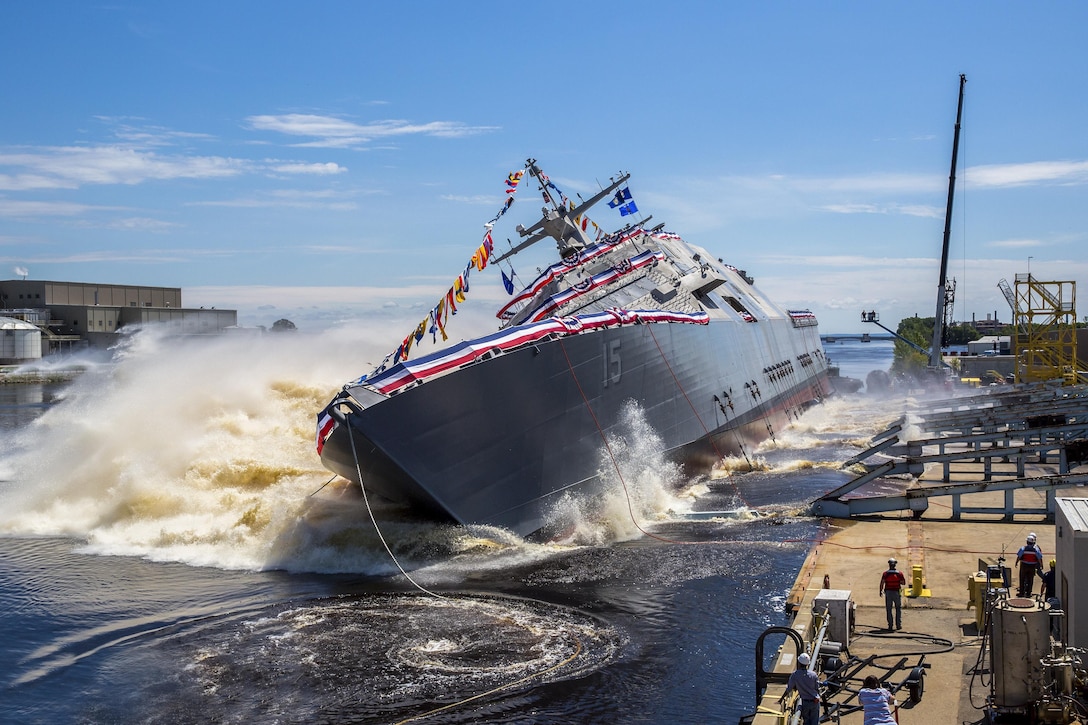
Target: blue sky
{"points": [[332, 161]]}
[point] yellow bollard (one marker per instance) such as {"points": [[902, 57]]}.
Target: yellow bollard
{"points": [[917, 586]]}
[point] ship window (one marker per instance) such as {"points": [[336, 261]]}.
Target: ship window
{"points": [[707, 300], [712, 284], [663, 297], [736, 305]]}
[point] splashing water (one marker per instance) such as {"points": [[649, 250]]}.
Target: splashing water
{"points": [[198, 451], [731, 464], [639, 484]]}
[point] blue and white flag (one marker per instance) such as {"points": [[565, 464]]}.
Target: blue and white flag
{"points": [[507, 282], [622, 197]]}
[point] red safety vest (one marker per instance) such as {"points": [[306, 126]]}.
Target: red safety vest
{"points": [[1030, 556], [893, 579]]}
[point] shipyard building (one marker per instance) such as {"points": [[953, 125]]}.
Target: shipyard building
{"points": [[75, 315]]}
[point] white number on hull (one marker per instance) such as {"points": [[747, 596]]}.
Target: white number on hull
{"points": [[612, 368]]}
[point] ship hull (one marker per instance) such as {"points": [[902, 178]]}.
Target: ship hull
{"points": [[499, 441]]}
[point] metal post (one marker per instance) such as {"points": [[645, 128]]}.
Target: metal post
{"points": [[938, 322]]}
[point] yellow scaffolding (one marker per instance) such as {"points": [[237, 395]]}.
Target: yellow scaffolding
{"points": [[1046, 330]]}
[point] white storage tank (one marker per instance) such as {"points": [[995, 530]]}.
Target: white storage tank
{"points": [[19, 341], [1020, 639]]}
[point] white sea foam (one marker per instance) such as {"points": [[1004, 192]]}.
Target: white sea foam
{"points": [[639, 486], [198, 451]]}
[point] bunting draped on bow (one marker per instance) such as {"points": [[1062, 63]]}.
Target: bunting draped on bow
{"points": [[436, 319]]}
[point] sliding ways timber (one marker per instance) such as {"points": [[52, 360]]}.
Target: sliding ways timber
{"points": [[978, 444]]}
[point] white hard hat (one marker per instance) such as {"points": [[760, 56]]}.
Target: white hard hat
{"points": [[803, 659], [893, 562], [1031, 538]]}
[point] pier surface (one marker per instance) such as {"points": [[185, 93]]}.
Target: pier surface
{"points": [[940, 626]]}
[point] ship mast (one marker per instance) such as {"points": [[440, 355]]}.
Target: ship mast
{"points": [[942, 286], [557, 222]]}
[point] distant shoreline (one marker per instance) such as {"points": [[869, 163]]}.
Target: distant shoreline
{"points": [[10, 377]]}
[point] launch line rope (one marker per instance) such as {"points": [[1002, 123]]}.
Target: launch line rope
{"points": [[695, 412], [615, 463], [608, 447], [373, 520], [417, 585], [523, 680]]}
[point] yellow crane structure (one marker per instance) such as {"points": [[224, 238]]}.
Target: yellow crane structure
{"points": [[1045, 318]]}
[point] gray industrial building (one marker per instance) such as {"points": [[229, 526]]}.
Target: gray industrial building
{"points": [[1071, 585], [80, 314]]}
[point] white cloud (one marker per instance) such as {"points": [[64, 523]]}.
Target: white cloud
{"points": [[140, 224], [876, 183], [108, 256], [281, 200], [477, 199], [1032, 173], [69, 167], [327, 168], [18, 209], [332, 132], [1017, 243], [919, 210]]}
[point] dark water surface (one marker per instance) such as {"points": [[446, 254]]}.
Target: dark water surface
{"points": [[152, 574]]}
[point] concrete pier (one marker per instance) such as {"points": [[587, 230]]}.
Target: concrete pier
{"points": [[939, 628]]}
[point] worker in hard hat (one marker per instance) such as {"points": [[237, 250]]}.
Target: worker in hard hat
{"points": [[1048, 580], [1051, 598], [1030, 561], [892, 582], [807, 684]]}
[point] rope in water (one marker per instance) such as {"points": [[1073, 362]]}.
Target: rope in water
{"points": [[695, 412], [523, 680], [373, 520]]}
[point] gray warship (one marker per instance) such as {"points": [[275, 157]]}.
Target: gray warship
{"points": [[496, 430]]}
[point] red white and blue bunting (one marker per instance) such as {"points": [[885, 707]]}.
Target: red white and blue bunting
{"points": [[435, 322], [601, 279], [455, 356], [405, 373]]}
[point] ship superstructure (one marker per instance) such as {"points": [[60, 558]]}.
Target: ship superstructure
{"points": [[496, 429]]}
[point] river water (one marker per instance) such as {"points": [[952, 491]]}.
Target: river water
{"points": [[171, 550]]}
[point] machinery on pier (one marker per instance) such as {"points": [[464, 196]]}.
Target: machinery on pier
{"points": [[824, 634], [1030, 673]]}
